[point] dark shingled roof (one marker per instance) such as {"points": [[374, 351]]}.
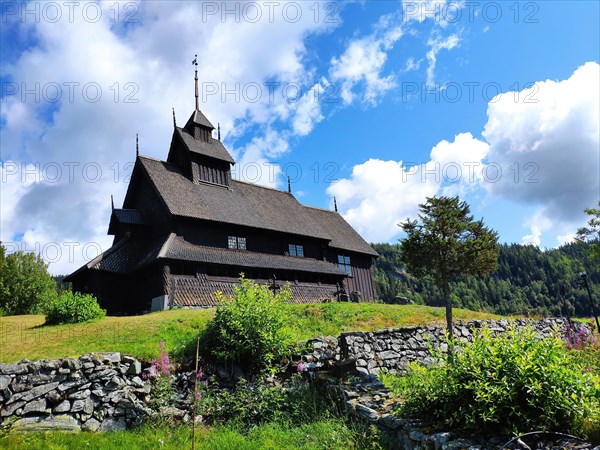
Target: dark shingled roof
{"points": [[242, 204], [214, 148], [130, 216], [128, 255], [343, 236], [177, 248], [200, 292], [200, 119], [125, 256]]}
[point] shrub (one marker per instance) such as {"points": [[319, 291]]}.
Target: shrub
{"points": [[72, 307], [249, 328], [252, 403], [509, 383], [26, 287]]}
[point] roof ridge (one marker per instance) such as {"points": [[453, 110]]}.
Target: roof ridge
{"points": [[266, 187], [155, 159], [321, 209]]}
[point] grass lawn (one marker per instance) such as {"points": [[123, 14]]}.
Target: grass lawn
{"points": [[25, 337], [323, 434]]}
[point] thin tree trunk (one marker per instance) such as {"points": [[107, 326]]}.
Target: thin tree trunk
{"points": [[448, 301]]}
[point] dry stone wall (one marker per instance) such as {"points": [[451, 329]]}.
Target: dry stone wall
{"points": [[96, 392], [394, 348]]}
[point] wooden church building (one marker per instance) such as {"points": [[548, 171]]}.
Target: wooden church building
{"points": [[187, 229]]}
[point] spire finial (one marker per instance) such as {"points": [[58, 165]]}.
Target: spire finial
{"points": [[174, 122], [112, 202], [335, 204], [195, 62], [289, 185], [137, 145], [219, 131]]}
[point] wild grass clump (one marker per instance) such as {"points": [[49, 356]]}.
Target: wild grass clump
{"points": [[73, 307], [512, 382]]}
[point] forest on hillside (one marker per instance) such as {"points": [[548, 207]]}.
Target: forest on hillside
{"points": [[528, 281]]}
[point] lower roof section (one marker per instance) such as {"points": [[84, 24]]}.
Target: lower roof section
{"points": [[129, 255], [179, 249]]}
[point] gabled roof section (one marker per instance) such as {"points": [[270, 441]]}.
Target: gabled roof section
{"points": [[125, 256], [198, 118], [343, 236], [126, 217], [242, 203], [130, 216], [213, 148]]}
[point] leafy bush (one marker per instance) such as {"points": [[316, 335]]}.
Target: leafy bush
{"points": [[72, 307], [249, 328], [26, 287], [510, 383]]}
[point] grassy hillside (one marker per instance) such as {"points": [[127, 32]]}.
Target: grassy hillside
{"points": [[25, 337]]}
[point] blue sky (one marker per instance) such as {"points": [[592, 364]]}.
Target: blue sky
{"points": [[378, 103]]}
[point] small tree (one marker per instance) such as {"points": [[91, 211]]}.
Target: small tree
{"points": [[591, 232], [448, 243], [26, 287]]}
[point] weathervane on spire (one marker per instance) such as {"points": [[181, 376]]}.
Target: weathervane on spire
{"points": [[195, 62]]}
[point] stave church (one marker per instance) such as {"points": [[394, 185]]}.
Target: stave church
{"points": [[187, 229]]}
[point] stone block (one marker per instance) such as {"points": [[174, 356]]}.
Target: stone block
{"points": [[16, 369], [91, 425], [34, 393], [112, 357], [50, 423], [79, 395], [35, 406], [64, 406], [4, 382], [112, 424], [8, 410]]}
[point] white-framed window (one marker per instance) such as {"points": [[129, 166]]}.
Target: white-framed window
{"points": [[296, 250], [236, 242], [344, 264]]}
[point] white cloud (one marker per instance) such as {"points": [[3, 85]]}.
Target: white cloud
{"points": [[363, 61], [541, 151], [308, 111], [438, 43], [545, 140], [378, 195]]}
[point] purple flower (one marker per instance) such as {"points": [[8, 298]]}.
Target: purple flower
{"points": [[301, 367]]}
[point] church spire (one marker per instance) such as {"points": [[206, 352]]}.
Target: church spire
{"points": [[195, 62]]}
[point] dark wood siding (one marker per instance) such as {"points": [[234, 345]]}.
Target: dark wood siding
{"points": [[361, 279]]}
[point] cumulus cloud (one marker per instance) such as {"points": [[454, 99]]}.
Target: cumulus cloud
{"points": [[541, 150], [378, 195], [545, 140]]}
